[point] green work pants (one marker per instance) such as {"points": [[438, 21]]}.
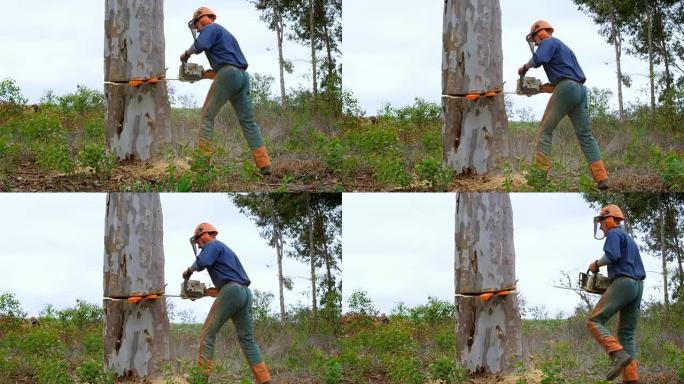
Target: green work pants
{"points": [[569, 98], [623, 296], [232, 84], [233, 302]]}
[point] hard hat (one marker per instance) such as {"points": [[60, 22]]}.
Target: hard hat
{"points": [[538, 26], [201, 11], [201, 229], [612, 210], [608, 213]]}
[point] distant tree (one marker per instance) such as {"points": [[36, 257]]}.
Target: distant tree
{"points": [[275, 14], [272, 213]]}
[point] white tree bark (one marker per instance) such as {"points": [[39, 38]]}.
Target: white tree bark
{"points": [[474, 132], [488, 334], [135, 335], [137, 120]]}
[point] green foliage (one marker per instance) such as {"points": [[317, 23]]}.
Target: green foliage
{"points": [[92, 372], [360, 303], [670, 165], [333, 372], [447, 370], [10, 306], [404, 369], [261, 304], [435, 174], [95, 157], [598, 103], [10, 93], [82, 314], [51, 371]]}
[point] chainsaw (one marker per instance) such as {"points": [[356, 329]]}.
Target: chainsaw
{"points": [[194, 289], [530, 86], [596, 283]]}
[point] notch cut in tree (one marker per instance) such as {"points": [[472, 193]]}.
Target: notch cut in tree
{"points": [[473, 132], [136, 336], [488, 333], [137, 122]]}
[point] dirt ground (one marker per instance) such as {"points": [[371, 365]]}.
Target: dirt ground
{"points": [[291, 175]]}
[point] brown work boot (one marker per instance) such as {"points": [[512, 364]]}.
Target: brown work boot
{"points": [[206, 148], [542, 162], [599, 174], [263, 162], [630, 374], [261, 374], [619, 360]]}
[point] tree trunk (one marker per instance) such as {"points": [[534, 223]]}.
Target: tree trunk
{"points": [[664, 258], [312, 258], [313, 49], [137, 120], [328, 43], [474, 132], [136, 336], [281, 280], [488, 334], [617, 42], [651, 72], [281, 61]]}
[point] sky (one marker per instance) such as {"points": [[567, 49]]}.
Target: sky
{"points": [[400, 248], [392, 51], [52, 250], [55, 45]]}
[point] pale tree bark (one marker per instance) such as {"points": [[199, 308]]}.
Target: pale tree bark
{"points": [[617, 42], [651, 71], [278, 241], [313, 49], [137, 123], [312, 258], [280, 27], [474, 132], [136, 336], [488, 333], [663, 256]]}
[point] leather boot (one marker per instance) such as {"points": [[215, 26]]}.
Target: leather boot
{"points": [[619, 360], [263, 162], [261, 374], [543, 162], [599, 174]]}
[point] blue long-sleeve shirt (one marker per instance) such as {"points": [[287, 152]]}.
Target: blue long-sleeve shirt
{"points": [[623, 254], [558, 60], [222, 264], [220, 46]]}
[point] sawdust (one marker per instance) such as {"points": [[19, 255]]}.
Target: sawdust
{"points": [[494, 183]]}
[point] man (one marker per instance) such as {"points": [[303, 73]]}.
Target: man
{"points": [[233, 301], [568, 98], [626, 274], [231, 82]]}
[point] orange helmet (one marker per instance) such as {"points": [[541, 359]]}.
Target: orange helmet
{"points": [[201, 11], [608, 213], [538, 26], [201, 229]]}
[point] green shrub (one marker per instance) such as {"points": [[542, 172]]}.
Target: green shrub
{"points": [[93, 372], [51, 370], [404, 369], [95, 157], [333, 372], [10, 306], [82, 314], [434, 173], [445, 368]]}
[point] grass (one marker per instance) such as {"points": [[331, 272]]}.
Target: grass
{"points": [[59, 145], [66, 346]]}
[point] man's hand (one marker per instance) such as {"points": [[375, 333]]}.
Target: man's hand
{"points": [[522, 70], [187, 274], [593, 267], [209, 74], [184, 57]]}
